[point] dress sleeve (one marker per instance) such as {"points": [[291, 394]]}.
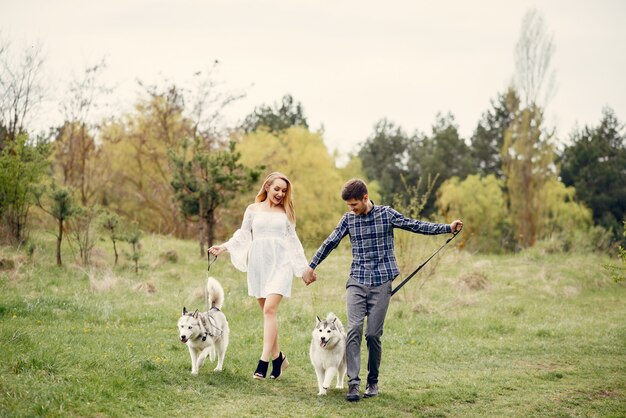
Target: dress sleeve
{"points": [[296, 251], [239, 245]]}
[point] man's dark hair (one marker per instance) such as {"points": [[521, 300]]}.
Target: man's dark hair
{"points": [[353, 189]]}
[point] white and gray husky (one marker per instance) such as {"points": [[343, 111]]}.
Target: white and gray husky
{"points": [[328, 352], [206, 333]]}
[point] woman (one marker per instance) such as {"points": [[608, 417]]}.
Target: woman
{"points": [[268, 248]]}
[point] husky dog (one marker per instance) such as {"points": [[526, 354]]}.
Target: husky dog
{"points": [[206, 333], [328, 352]]}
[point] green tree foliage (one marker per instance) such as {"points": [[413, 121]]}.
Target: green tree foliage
{"points": [[444, 154], [488, 137], [303, 157], [59, 203], [206, 180], [481, 203], [528, 164], [594, 165], [22, 166], [278, 118], [561, 217], [384, 157]]}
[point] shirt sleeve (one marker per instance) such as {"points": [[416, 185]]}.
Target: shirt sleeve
{"points": [[331, 242], [398, 220], [296, 251], [239, 245]]}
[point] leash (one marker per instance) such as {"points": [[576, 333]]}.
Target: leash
{"points": [[210, 319], [393, 292], [206, 295]]}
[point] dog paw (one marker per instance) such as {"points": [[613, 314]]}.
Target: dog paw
{"points": [[217, 369], [322, 392], [194, 372]]}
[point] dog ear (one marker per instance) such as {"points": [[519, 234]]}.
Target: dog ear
{"points": [[334, 320], [318, 319], [184, 311], [195, 314]]}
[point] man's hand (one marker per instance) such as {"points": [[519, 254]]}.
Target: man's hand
{"points": [[456, 226], [309, 276]]}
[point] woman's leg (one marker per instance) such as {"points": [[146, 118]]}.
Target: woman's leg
{"points": [[269, 306]]}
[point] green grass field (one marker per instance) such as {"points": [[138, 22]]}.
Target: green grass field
{"points": [[525, 335]]}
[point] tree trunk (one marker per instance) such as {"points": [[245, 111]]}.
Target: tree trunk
{"points": [[201, 226], [115, 251], [59, 239], [210, 220]]}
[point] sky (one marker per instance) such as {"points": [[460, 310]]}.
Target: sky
{"points": [[350, 63]]}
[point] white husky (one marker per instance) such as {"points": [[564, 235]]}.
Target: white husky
{"points": [[206, 333], [328, 352]]}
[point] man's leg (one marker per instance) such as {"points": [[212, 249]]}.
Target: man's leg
{"points": [[356, 305], [377, 304]]}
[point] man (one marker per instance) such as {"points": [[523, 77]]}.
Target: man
{"points": [[373, 268]]}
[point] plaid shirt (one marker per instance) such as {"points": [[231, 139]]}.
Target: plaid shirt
{"points": [[371, 236]]}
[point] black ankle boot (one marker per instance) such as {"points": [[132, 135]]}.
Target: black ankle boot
{"points": [[279, 364], [261, 370]]}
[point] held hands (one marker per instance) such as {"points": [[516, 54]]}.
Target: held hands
{"points": [[456, 226], [217, 250], [309, 276]]}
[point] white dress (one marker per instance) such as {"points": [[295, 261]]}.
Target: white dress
{"points": [[267, 247]]}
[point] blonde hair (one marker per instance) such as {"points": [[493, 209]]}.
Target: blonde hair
{"points": [[287, 200]]}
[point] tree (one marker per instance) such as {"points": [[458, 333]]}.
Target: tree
{"points": [[76, 155], [488, 137], [23, 163], [109, 222], [594, 165], [135, 148], [533, 56], [278, 118], [207, 180], [61, 207], [527, 153], [528, 164], [83, 232], [384, 156], [21, 90], [444, 154], [481, 203]]}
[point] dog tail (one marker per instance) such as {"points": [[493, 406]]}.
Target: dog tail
{"points": [[214, 293], [331, 317]]}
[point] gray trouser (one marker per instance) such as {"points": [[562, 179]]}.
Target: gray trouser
{"points": [[362, 301]]}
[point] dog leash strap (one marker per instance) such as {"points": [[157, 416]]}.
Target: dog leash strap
{"points": [[210, 262], [393, 292]]}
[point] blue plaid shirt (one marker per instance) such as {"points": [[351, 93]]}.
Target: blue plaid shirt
{"points": [[371, 236]]}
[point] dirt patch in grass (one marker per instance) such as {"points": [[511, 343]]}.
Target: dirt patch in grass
{"points": [[473, 281]]}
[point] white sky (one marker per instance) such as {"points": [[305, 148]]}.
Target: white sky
{"points": [[350, 63]]}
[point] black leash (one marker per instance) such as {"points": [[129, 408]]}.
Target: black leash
{"points": [[206, 295], [393, 292]]}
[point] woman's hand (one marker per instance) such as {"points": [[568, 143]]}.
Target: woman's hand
{"points": [[217, 250]]}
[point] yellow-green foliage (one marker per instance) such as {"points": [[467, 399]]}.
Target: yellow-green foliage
{"points": [[303, 157], [480, 203], [559, 212]]}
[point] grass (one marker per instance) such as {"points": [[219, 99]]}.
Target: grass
{"points": [[530, 334]]}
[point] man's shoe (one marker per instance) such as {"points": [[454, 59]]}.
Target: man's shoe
{"points": [[353, 393], [371, 390]]}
